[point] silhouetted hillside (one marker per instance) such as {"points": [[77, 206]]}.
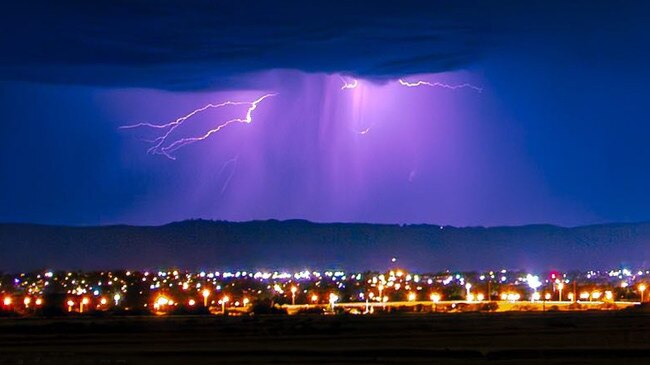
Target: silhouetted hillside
{"points": [[300, 244]]}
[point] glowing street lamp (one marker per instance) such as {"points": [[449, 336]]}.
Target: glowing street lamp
{"points": [[191, 302], [206, 295], [314, 298], [468, 287], [245, 301], [435, 298], [224, 300], [381, 289], [412, 297], [116, 298], [162, 301], [293, 295], [84, 301], [7, 301], [27, 301], [596, 295], [38, 301], [70, 305], [642, 288], [333, 299], [560, 286]]}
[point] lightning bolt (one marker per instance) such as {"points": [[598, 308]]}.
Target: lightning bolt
{"points": [[349, 85], [365, 131], [232, 161], [439, 84], [163, 145]]}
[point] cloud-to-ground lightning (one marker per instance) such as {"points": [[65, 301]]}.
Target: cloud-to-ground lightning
{"points": [[166, 147], [233, 162], [440, 84]]}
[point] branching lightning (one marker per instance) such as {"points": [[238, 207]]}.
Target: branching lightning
{"points": [[439, 84], [165, 146], [349, 85]]}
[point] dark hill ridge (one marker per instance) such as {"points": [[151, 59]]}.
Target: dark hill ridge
{"points": [[297, 244]]}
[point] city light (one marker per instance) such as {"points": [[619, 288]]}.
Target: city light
{"points": [[84, 290], [560, 286], [223, 302], [206, 294], [84, 301], [642, 288], [293, 295], [333, 298], [161, 302]]}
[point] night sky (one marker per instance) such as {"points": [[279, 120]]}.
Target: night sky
{"points": [[559, 133]]}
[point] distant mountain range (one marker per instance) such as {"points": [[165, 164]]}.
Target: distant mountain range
{"points": [[297, 244]]}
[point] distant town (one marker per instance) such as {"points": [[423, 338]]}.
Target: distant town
{"points": [[173, 291]]}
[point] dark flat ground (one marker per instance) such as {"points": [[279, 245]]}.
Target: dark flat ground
{"points": [[495, 338]]}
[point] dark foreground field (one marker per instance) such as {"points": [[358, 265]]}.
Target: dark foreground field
{"points": [[496, 338]]}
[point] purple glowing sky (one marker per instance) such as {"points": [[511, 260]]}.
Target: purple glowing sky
{"points": [[380, 152], [558, 134]]}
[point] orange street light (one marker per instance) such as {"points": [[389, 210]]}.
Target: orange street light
{"points": [[224, 300], [642, 288], [412, 297], [560, 286], [294, 290], [84, 301], [206, 294]]}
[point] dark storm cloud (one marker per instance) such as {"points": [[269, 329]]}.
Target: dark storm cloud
{"points": [[200, 44], [211, 44]]}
